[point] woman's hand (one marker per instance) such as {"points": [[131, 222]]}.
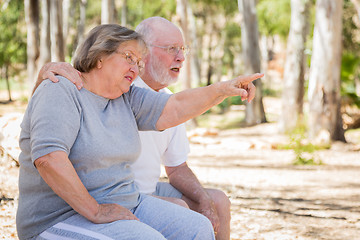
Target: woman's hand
{"points": [[240, 86], [110, 212], [58, 172]]}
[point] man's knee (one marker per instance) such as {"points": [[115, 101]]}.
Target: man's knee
{"points": [[221, 201], [176, 201], [180, 202], [204, 228]]}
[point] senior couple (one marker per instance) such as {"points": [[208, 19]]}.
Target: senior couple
{"points": [[84, 171]]}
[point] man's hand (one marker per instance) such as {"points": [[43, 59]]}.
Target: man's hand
{"points": [[207, 208], [112, 212], [49, 70]]}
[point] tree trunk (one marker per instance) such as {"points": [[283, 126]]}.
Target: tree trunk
{"points": [[293, 88], [194, 55], [250, 44], [324, 79], [5, 70], [81, 26], [108, 11], [357, 6], [181, 11], [124, 13], [206, 68], [66, 20], [45, 45], [56, 31], [32, 25]]}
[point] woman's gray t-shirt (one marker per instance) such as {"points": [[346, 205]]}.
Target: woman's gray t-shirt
{"points": [[100, 137]]}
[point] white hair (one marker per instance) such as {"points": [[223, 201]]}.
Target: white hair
{"points": [[147, 28]]}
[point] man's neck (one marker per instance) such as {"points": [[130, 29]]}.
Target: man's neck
{"points": [[154, 85]]}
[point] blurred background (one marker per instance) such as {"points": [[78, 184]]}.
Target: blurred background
{"points": [[289, 161], [308, 50]]}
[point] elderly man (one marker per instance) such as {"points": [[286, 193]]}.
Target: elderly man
{"points": [[170, 147]]}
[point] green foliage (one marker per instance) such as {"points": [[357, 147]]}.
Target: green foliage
{"points": [[93, 11], [304, 151], [232, 44], [350, 30], [235, 100], [349, 71], [139, 10], [274, 17], [12, 37], [228, 6]]}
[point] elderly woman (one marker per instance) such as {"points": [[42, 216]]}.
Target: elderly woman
{"points": [[75, 180]]}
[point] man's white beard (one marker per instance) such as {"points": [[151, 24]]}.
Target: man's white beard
{"points": [[159, 73]]}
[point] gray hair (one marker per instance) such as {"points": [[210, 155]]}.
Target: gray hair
{"points": [[103, 40], [147, 28]]}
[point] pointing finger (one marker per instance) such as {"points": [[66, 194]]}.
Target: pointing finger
{"points": [[244, 80]]}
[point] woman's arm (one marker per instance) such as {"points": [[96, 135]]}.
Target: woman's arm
{"points": [[190, 103], [58, 172]]}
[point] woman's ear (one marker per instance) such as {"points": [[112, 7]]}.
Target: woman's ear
{"points": [[99, 63]]}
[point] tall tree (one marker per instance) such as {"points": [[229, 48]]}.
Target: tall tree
{"points": [[324, 79], [108, 11], [357, 6], [124, 10], [182, 13], [293, 90], [45, 54], [32, 25], [255, 113], [66, 18], [56, 31], [12, 40]]}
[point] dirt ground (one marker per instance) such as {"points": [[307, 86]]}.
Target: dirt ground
{"points": [[271, 198]]}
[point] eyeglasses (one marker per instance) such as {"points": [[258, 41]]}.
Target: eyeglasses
{"points": [[131, 59], [174, 50]]}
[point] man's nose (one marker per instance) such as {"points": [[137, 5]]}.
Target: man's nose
{"points": [[180, 57]]}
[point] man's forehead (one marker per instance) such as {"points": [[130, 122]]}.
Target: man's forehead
{"points": [[171, 36]]}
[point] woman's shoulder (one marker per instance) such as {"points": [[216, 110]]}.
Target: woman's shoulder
{"points": [[63, 86]]}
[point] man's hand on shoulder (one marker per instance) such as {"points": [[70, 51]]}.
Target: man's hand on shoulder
{"points": [[49, 70]]}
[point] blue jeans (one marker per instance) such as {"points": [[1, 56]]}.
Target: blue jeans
{"points": [[158, 220]]}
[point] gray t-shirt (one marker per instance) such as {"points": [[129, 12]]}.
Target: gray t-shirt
{"points": [[100, 137]]}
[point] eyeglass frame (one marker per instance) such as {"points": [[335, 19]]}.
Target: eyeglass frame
{"points": [[130, 60], [184, 49]]}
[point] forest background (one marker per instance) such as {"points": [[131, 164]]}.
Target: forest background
{"points": [[309, 51]]}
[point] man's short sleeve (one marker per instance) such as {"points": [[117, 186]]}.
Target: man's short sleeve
{"points": [[178, 148]]}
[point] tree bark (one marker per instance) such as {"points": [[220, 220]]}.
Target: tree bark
{"points": [[255, 113], [5, 71], [124, 13], [56, 31], [79, 37], [65, 21], [181, 11], [32, 25], [194, 54], [357, 6], [108, 11], [45, 44], [324, 79], [293, 88]]}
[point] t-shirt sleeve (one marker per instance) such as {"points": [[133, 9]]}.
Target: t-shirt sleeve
{"points": [[178, 147], [147, 106], [54, 118]]}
